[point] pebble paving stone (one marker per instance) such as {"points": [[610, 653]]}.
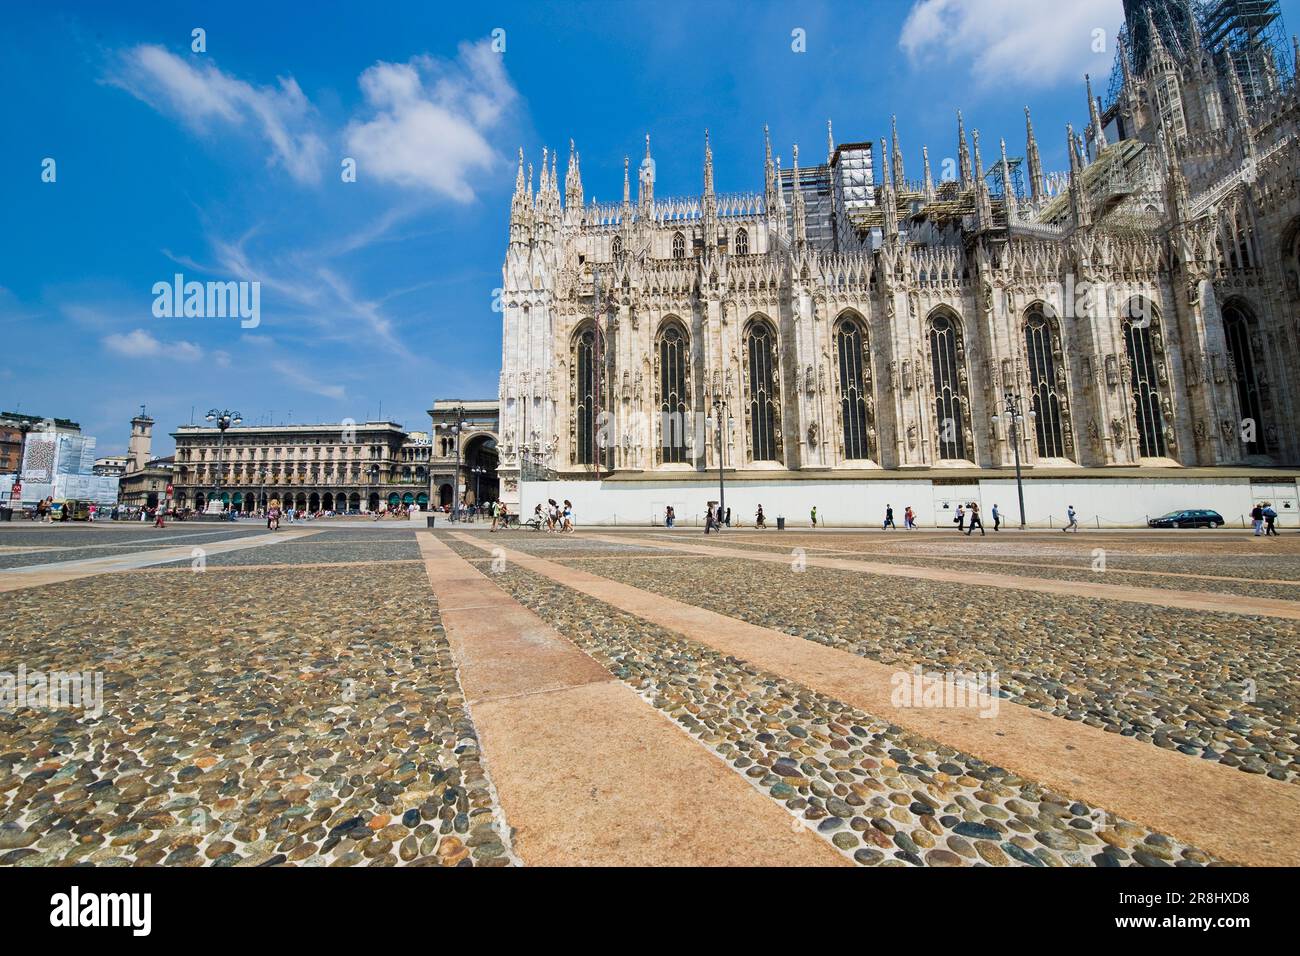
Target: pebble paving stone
{"points": [[882, 796], [1177, 679], [308, 550], [271, 721]]}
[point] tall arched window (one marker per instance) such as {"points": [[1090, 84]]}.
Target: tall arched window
{"points": [[1144, 381], [616, 248], [762, 395], [679, 246], [1237, 327], [1047, 393], [949, 387], [673, 392], [855, 387], [583, 395], [742, 242]]}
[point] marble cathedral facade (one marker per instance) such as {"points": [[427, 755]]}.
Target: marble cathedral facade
{"points": [[1141, 307]]}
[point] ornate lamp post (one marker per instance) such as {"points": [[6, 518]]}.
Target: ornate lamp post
{"points": [[477, 471], [223, 420], [455, 429], [1011, 412], [374, 480], [720, 406]]}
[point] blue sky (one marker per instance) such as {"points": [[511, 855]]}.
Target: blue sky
{"points": [[225, 165]]}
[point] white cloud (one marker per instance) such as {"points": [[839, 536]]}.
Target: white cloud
{"points": [[141, 344], [202, 96], [1031, 43], [431, 120], [304, 381]]}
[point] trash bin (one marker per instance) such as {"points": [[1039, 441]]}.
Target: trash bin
{"points": [[780, 524], [430, 520]]}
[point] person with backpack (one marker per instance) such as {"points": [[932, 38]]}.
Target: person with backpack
{"points": [[1270, 520], [975, 519], [889, 519]]}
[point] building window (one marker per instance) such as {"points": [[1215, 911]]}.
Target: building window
{"points": [[762, 397], [1043, 346], [584, 394], [949, 387], [673, 358], [616, 248], [679, 246], [742, 242], [1144, 383], [1237, 327], [854, 387]]}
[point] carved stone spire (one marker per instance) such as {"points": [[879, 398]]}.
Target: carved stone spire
{"points": [[929, 180], [1008, 188], [800, 221], [830, 142], [1078, 203], [963, 154], [1094, 120], [888, 204], [708, 166], [646, 180], [1032, 160], [899, 178], [979, 163], [627, 186], [573, 181]]}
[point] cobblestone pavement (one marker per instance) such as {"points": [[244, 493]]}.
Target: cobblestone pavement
{"points": [[1179, 679], [274, 721], [314, 716], [879, 794]]}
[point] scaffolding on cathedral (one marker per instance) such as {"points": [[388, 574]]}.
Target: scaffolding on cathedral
{"points": [[1248, 33]]}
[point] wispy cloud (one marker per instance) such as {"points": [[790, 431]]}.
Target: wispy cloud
{"points": [[1031, 43], [139, 343], [296, 376], [202, 96], [431, 120]]}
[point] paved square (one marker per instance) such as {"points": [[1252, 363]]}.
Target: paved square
{"points": [[348, 694]]}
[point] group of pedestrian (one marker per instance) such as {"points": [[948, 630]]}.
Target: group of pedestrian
{"points": [[1264, 519], [554, 518], [500, 515], [716, 518]]}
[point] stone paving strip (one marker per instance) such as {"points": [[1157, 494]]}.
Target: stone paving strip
{"points": [[1217, 687], [286, 723], [587, 773], [1191, 600], [309, 550], [1238, 817], [12, 579], [1114, 570], [880, 794]]}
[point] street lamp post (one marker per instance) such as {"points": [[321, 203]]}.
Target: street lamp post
{"points": [[720, 406], [223, 419], [1015, 419], [477, 471], [374, 480], [454, 429], [262, 503]]}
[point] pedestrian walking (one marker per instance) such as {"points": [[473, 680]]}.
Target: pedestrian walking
{"points": [[1074, 519], [759, 520], [728, 518], [960, 518], [1270, 520], [909, 519], [889, 519], [814, 516], [669, 516], [158, 518], [1257, 519], [997, 518], [975, 519]]}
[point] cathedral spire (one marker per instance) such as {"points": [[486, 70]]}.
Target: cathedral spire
{"points": [[899, 181], [1033, 160], [888, 204], [1078, 203], [544, 185], [1295, 56], [830, 142], [627, 187], [646, 180], [800, 224], [979, 163], [708, 166], [929, 180], [963, 154], [1194, 51], [1008, 188], [1094, 120], [573, 180], [1240, 108], [519, 176]]}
